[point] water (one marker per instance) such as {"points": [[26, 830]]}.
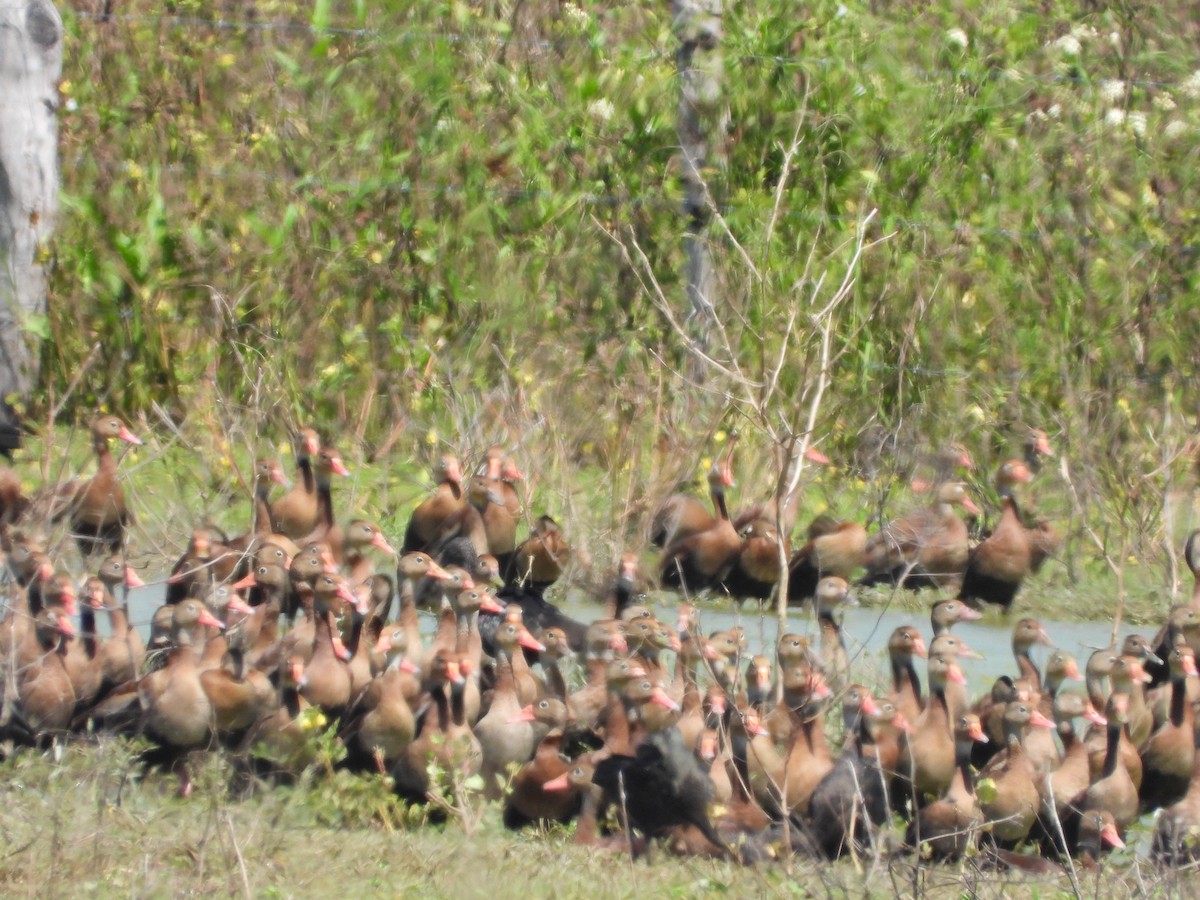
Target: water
{"points": [[867, 629]]}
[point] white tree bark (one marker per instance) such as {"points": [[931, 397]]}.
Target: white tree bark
{"points": [[30, 67], [702, 121]]}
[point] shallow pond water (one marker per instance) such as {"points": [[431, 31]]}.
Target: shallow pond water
{"points": [[866, 628]]}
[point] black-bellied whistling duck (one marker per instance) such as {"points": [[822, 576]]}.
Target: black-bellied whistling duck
{"points": [[557, 649], [832, 592], [410, 569], [427, 520], [904, 644], [1098, 834], [1169, 755], [84, 663], [660, 787], [535, 795], [540, 559], [838, 552], [945, 614], [45, 694], [624, 586], [808, 758], [682, 515], [929, 754], [177, 711], [1027, 633], [285, 735], [326, 677], [1183, 620], [98, 513], [997, 566], [941, 465], [505, 737], [1127, 679], [925, 547], [755, 570], [295, 513], [578, 782], [1070, 777], [954, 647], [325, 529], [122, 652], [357, 537], [701, 560], [1043, 751], [1176, 826], [238, 695], [949, 827], [742, 815], [499, 519], [605, 639], [1114, 791], [1012, 806], [852, 800], [387, 725]]}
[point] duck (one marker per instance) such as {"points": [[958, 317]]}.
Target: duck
{"points": [[45, 694], [1062, 790], [755, 570], [428, 519], [949, 827], [904, 644], [838, 551], [852, 801], [808, 758], [659, 787], [295, 514], [540, 559], [1114, 791], [97, 509], [1169, 754], [1174, 843], [682, 515], [701, 560], [997, 565], [945, 614], [1011, 808], [176, 710], [325, 529], [505, 736], [928, 757], [831, 594], [928, 547], [540, 789], [388, 725]]}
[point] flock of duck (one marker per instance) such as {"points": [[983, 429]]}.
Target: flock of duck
{"points": [[267, 636]]}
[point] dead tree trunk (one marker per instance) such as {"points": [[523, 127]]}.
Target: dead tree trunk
{"points": [[702, 119], [30, 67]]}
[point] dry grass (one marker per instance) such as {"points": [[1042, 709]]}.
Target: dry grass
{"points": [[84, 826]]}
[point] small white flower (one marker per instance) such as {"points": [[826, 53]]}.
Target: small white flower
{"points": [[441, 125], [1137, 123], [1114, 118], [1191, 85], [1068, 45], [1114, 39], [1175, 128], [1112, 89], [575, 14], [71, 105], [1054, 111], [1084, 32], [601, 109], [956, 37], [1164, 102], [1036, 116]]}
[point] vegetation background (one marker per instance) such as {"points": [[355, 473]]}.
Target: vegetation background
{"points": [[449, 223], [461, 222]]}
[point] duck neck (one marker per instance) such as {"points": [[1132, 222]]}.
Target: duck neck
{"points": [[1112, 753], [962, 759], [718, 497], [87, 629], [1178, 699]]}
